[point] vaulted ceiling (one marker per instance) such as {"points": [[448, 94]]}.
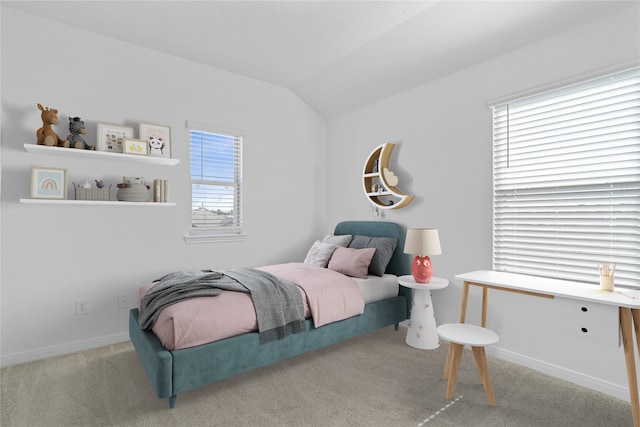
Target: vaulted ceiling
{"points": [[335, 55]]}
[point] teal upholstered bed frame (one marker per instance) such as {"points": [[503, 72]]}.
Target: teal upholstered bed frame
{"points": [[174, 372]]}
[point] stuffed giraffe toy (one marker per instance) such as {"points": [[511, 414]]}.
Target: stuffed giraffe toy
{"points": [[46, 135]]}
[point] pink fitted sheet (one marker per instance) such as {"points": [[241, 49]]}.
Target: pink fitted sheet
{"points": [[327, 295]]}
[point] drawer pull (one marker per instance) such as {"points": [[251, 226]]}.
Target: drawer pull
{"points": [[585, 330]]}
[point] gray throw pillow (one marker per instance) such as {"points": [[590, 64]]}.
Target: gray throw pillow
{"points": [[384, 251]]}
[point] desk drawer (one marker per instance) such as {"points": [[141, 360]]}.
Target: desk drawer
{"points": [[594, 332], [584, 310], [593, 322]]}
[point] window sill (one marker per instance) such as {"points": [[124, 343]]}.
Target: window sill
{"points": [[213, 238]]}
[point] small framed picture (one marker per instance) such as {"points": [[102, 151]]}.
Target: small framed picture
{"points": [[158, 139], [48, 183], [111, 137], [135, 146]]}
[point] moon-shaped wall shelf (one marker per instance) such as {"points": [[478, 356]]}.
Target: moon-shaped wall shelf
{"points": [[379, 182]]}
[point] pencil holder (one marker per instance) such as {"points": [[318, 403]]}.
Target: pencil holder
{"points": [[606, 283]]}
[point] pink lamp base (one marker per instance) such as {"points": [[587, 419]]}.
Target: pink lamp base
{"points": [[421, 269]]}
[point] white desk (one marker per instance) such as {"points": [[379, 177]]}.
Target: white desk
{"points": [[422, 324], [583, 309]]}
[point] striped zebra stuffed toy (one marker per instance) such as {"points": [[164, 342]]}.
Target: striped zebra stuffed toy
{"points": [[77, 129]]}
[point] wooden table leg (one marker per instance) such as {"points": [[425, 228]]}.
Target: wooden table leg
{"points": [[465, 300], [627, 341], [636, 325], [456, 349], [463, 315], [447, 365], [485, 302], [635, 313], [483, 372]]}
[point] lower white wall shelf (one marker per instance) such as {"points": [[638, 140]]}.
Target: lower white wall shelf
{"points": [[95, 202]]}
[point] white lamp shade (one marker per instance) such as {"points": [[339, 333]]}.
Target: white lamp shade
{"points": [[422, 241]]}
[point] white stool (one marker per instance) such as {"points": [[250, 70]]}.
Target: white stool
{"points": [[458, 335]]}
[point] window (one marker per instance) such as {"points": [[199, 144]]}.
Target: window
{"points": [[216, 183], [567, 181]]}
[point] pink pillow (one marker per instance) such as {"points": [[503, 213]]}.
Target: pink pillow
{"points": [[351, 262]]}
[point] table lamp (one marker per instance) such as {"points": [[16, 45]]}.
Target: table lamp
{"points": [[422, 242]]}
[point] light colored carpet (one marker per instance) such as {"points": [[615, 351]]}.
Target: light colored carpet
{"points": [[374, 380]]}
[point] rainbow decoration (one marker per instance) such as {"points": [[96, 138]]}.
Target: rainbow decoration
{"points": [[49, 184]]}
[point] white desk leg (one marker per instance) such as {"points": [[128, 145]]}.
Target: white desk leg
{"points": [[422, 331]]}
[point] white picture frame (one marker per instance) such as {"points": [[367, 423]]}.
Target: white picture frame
{"points": [[135, 146], [111, 137], [158, 138]]}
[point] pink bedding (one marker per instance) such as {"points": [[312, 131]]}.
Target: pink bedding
{"points": [[328, 296]]}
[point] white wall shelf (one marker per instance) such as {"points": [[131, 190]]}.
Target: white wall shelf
{"points": [[74, 152], [77, 153], [94, 202]]}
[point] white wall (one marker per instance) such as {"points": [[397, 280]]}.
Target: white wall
{"points": [[53, 255], [443, 156]]}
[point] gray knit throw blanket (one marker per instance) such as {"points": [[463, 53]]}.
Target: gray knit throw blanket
{"points": [[278, 303]]}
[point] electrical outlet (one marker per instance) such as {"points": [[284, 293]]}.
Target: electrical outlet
{"points": [[123, 301], [82, 306]]}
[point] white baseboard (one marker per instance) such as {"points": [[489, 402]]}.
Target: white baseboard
{"points": [[62, 349], [574, 377]]}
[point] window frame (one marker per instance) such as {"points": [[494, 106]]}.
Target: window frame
{"points": [[220, 234], [587, 272]]}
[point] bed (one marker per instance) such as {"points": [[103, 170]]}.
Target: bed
{"points": [[176, 371]]}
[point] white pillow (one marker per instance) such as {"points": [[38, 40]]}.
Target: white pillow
{"points": [[342, 240], [320, 253]]}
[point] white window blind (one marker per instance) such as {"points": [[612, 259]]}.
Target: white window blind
{"points": [[567, 181], [216, 182]]}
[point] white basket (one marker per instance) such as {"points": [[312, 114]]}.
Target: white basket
{"points": [[91, 193]]}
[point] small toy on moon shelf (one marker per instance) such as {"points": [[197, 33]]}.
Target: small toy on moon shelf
{"points": [[77, 129], [46, 135]]}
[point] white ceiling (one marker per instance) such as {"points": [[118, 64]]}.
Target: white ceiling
{"points": [[335, 55]]}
